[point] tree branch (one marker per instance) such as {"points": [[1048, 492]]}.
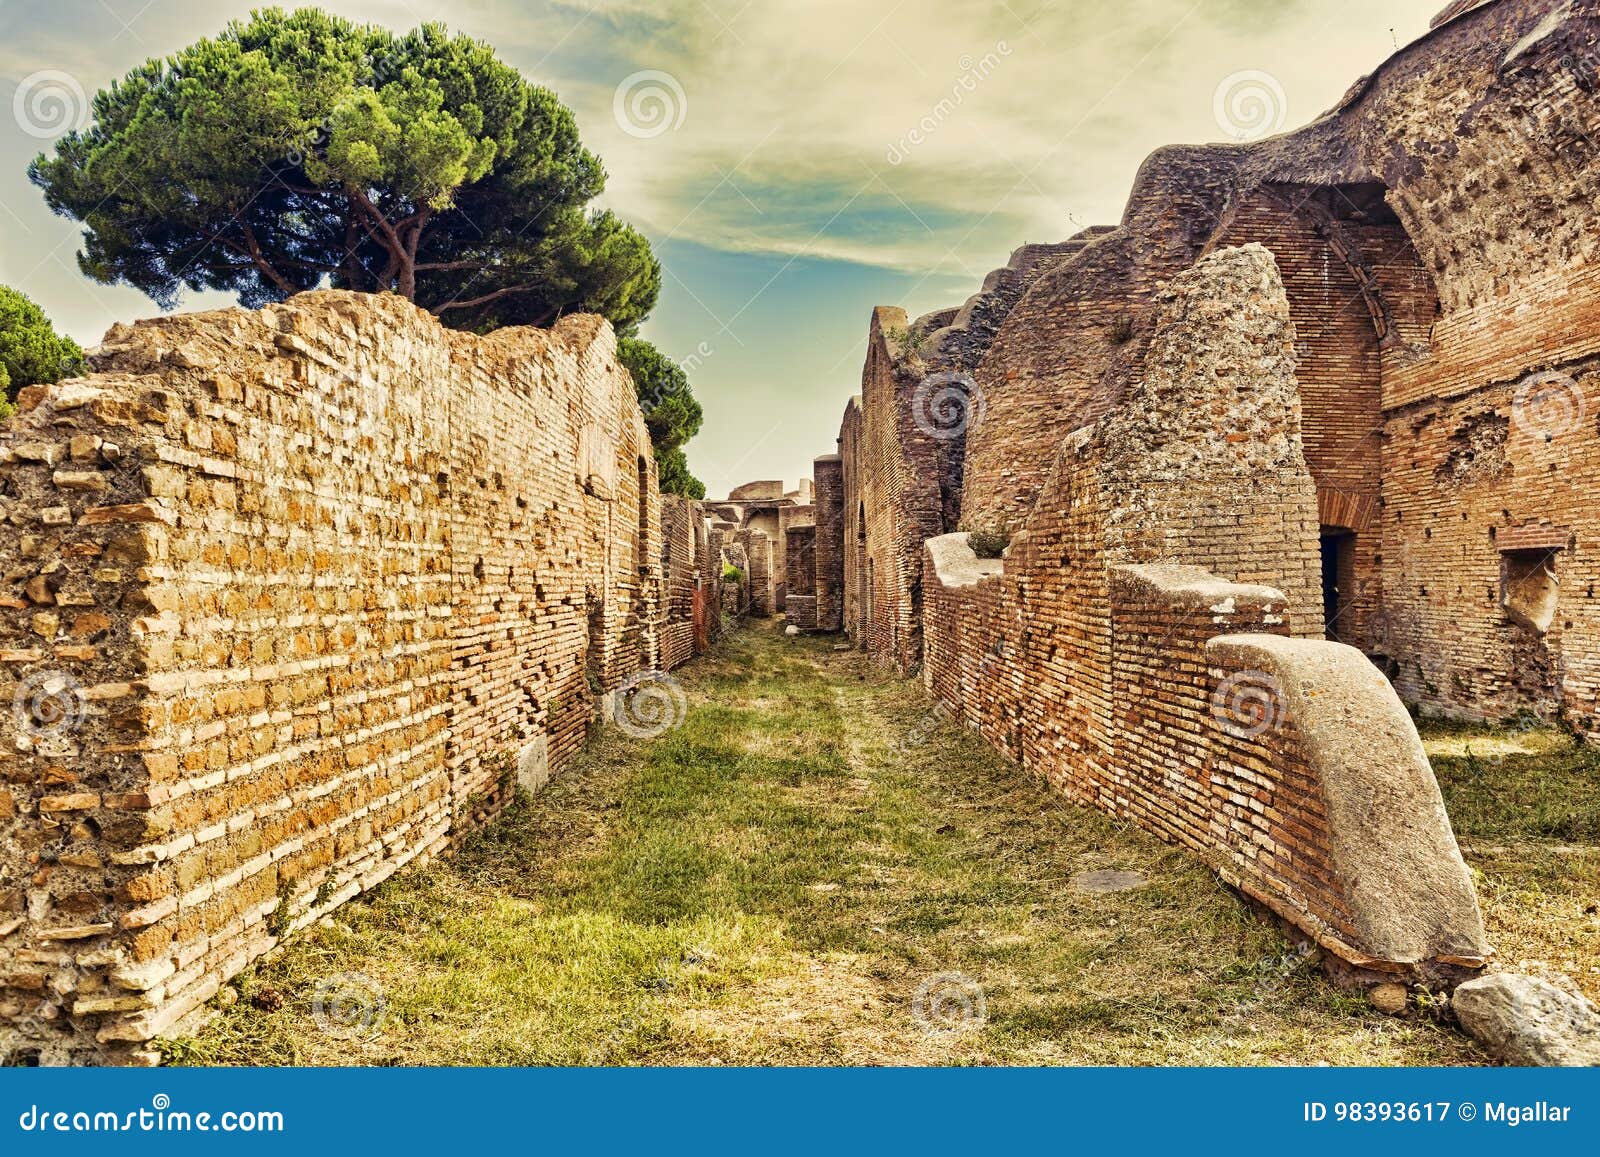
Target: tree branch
{"points": [[495, 296], [436, 266], [261, 262], [390, 240]]}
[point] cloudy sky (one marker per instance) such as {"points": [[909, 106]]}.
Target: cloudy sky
{"points": [[795, 162]]}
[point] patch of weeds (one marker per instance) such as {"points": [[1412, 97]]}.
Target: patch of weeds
{"points": [[988, 543], [279, 919]]}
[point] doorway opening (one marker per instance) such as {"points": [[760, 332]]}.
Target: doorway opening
{"points": [[1338, 582]]}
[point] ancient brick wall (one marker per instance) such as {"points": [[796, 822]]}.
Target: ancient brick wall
{"points": [[903, 449], [828, 542], [1321, 239], [298, 594], [895, 493], [1484, 493], [758, 565], [1104, 652], [853, 540], [801, 567], [680, 573], [1435, 235], [709, 561], [1490, 441]]}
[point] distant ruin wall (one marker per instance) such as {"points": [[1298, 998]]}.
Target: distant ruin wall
{"points": [[828, 545], [801, 569], [296, 596], [681, 578], [1136, 645], [761, 591], [903, 450]]}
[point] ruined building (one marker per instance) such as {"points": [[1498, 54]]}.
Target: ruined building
{"points": [[294, 597], [774, 529], [1177, 513]]}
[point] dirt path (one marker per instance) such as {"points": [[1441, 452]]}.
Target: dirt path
{"points": [[810, 870]]}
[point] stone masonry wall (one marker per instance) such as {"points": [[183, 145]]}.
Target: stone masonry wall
{"points": [[1436, 235], [828, 544], [1103, 653], [904, 450], [681, 575], [296, 596]]}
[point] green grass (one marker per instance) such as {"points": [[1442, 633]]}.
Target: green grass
{"points": [[1525, 803], [1512, 782], [775, 882]]}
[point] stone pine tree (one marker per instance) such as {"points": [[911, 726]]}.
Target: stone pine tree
{"points": [[670, 411], [31, 352], [298, 150]]}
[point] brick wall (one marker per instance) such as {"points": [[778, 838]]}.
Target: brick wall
{"points": [[680, 572], [1104, 653], [801, 568], [758, 567], [828, 542], [316, 586]]}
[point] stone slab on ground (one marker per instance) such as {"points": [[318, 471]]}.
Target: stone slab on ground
{"points": [[1104, 880], [1524, 1020]]}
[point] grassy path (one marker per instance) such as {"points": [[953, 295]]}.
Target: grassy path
{"points": [[776, 882]]}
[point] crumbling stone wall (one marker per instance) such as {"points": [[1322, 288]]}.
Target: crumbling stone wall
{"points": [[1104, 659], [904, 449], [297, 596], [761, 595], [1435, 236], [894, 491], [801, 567], [681, 575], [828, 542]]}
